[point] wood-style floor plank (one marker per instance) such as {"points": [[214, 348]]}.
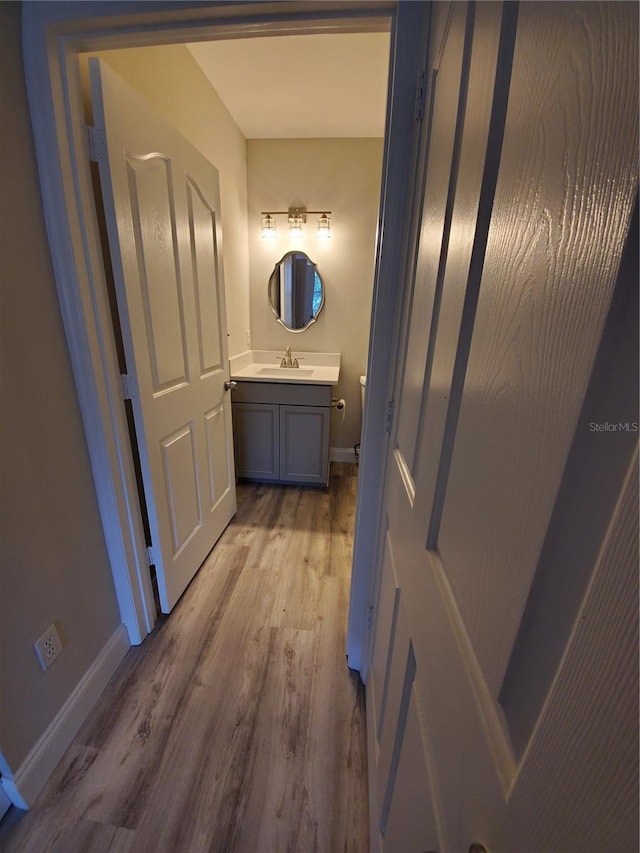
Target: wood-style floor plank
{"points": [[272, 801], [236, 726]]}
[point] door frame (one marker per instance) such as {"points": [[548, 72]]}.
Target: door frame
{"points": [[54, 34]]}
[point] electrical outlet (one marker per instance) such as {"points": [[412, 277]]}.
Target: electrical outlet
{"points": [[248, 337], [48, 647]]}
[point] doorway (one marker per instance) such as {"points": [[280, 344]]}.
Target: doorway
{"points": [[61, 145], [332, 160]]}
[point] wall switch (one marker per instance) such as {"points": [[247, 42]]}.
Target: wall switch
{"points": [[48, 647], [248, 336]]}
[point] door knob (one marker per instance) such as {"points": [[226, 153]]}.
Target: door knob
{"points": [[230, 385]]}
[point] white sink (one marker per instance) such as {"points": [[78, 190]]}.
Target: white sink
{"points": [[293, 372], [319, 368]]}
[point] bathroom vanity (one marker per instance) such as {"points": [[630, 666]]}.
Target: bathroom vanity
{"points": [[281, 416]]}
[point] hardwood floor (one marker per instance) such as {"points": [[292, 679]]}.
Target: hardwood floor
{"points": [[236, 726]]}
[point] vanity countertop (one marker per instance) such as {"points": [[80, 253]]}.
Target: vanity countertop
{"points": [[316, 368]]}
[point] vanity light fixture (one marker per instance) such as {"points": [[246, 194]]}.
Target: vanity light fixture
{"points": [[296, 218]]}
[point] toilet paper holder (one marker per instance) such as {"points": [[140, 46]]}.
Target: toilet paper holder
{"points": [[340, 404]]}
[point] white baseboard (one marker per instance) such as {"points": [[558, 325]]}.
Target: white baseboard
{"points": [[23, 787], [342, 454]]}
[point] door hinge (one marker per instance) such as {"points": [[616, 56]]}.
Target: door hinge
{"points": [[128, 387], [370, 617], [388, 416], [97, 147], [152, 556], [421, 95]]}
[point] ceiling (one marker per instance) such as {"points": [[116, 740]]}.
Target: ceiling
{"points": [[301, 87]]}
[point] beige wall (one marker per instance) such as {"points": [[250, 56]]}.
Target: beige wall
{"points": [[171, 81], [341, 175], [53, 560]]}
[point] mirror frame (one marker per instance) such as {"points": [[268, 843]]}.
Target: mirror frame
{"points": [[276, 313]]}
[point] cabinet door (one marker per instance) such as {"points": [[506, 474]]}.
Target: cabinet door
{"points": [[257, 447], [304, 444]]}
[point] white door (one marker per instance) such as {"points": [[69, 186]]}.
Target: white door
{"points": [[475, 735], [162, 208]]}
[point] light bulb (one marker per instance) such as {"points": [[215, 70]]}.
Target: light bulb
{"points": [[324, 227], [268, 226], [295, 225]]}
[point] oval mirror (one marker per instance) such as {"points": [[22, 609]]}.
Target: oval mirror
{"points": [[296, 292]]}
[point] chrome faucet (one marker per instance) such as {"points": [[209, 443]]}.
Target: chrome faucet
{"points": [[287, 361]]}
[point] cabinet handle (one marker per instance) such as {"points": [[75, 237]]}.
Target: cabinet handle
{"points": [[230, 385]]}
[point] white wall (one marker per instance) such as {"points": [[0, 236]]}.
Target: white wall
{"points": [[173, 84], [343, 176], [53, 560]]}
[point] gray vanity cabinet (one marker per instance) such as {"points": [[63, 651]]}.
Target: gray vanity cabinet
{"points": [[281, 431]]}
